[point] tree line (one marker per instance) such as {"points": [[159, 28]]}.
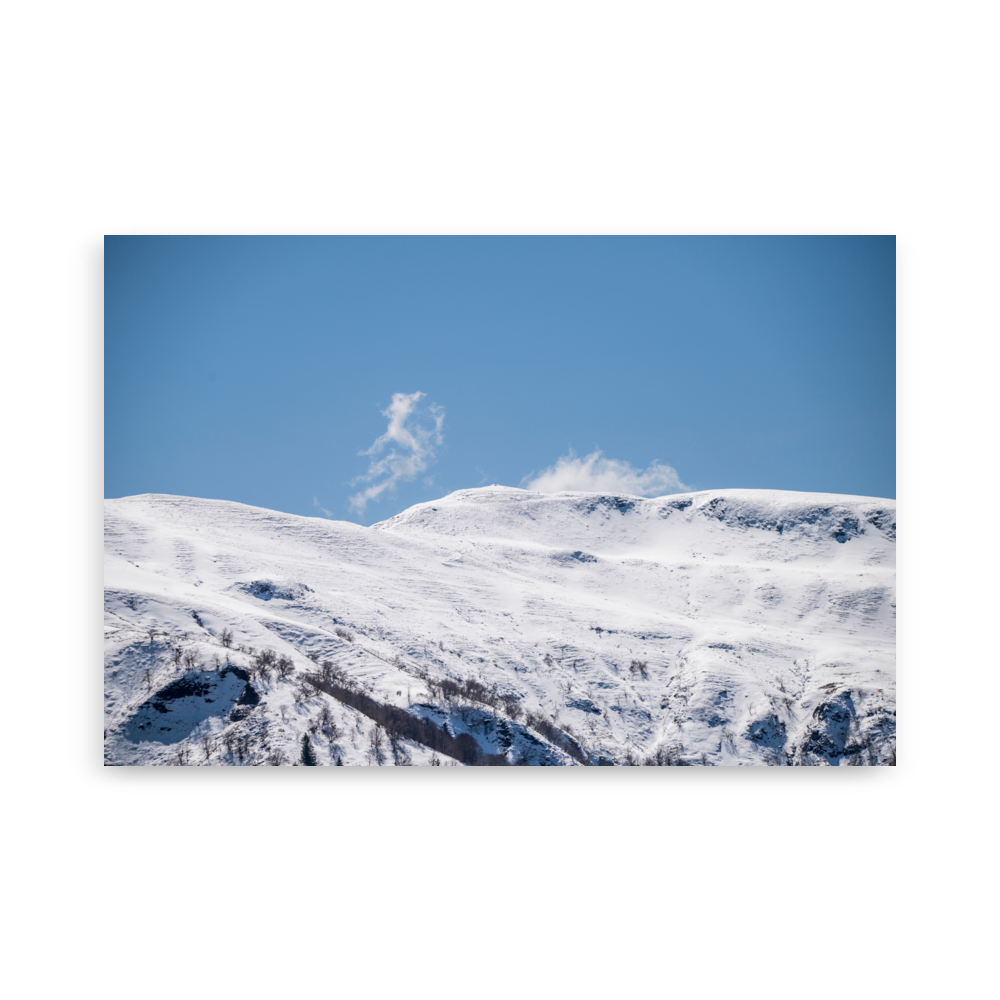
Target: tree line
{"points": [[399, 724]]}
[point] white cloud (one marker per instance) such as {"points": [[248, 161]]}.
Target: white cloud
{"points": [[597, 474], [411, 437], [321, 508]]}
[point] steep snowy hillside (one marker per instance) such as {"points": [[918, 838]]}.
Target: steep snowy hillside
{"points": [[501, 626]]}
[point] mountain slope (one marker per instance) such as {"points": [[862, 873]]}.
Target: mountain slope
{"points": [[504, 626]]}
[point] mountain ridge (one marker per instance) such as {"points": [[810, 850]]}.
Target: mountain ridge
{"points": [[723, 627]]}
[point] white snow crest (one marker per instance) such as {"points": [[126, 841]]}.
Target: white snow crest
{"points": [[597, 474], [720, 628], [412, 437]]}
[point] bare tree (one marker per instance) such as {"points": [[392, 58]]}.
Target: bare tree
{"points": [[284, 666], [512, 706], [207, 745], [305, 692], [400, 755], [327, 726], [376, 742], [263, 663], [190, 659], [344, 634], [639, 667], [227, 637], [149, 680]]}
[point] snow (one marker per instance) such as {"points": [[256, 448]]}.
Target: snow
{"points": [[724, 627]]}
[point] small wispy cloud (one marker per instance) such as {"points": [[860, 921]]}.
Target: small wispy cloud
{"points": [[321, 508], [597, 474], [413, 434]]}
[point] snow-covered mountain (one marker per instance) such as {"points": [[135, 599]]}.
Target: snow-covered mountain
{"points": [[502, 626]]}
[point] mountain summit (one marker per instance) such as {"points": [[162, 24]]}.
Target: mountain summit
{"points": [[501, 626]]}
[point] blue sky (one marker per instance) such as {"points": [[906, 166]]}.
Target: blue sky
{"points": [[258, 369]]}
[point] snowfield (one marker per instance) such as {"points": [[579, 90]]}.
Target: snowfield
{"points": [[503, 626]]}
